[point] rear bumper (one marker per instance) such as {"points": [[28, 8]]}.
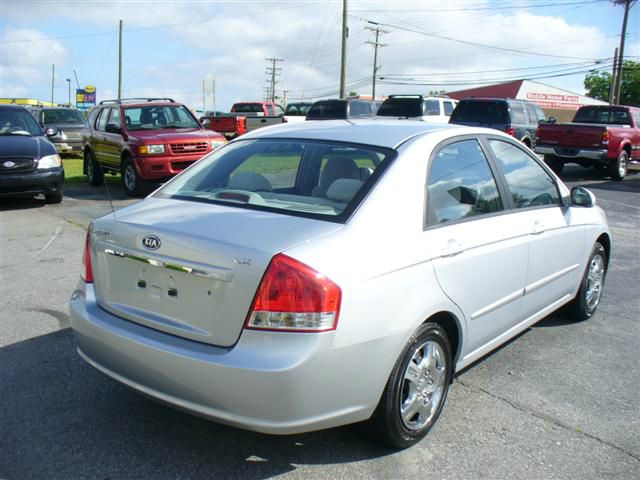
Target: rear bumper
{"points": [[33, 183], [270, 382], [573, 153], [158, 167]]}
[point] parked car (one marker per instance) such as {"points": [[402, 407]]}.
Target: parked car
{"points": [[68, 121], [257, 115], [145, 140], [29, 163], [518, 118], [296, 111], [344, 109], [416, 107], [601, 136], [262, 302]]}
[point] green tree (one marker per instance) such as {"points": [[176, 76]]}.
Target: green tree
{"points": [[598, 84]]}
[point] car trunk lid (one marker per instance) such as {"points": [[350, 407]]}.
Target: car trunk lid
{"points": [[187, 268]]}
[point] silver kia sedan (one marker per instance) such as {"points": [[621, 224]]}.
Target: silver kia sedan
{"points": [[312, 275]]}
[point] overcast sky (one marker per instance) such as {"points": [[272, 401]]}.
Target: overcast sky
{"points": [[170, 46]]}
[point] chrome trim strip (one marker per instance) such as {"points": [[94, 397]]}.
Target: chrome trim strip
{"points": [[500, 303], [544, 281], [216, 273]]}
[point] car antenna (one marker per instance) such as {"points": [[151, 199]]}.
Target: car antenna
{"points": [[106, 186]]}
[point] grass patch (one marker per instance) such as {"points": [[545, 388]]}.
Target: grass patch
{"points": [[73, 172]]}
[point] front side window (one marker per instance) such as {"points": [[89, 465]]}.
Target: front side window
{"points": [[317, 179], [114, 119], [102, 119], [529, 183], [461, 184], [448, 107]]}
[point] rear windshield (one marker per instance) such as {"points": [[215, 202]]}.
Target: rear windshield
{"points": [[401, 107], [609, 115], [480, 112], [248, 108], [297, 109], [306, 178], [61, 116], [328, 109]]}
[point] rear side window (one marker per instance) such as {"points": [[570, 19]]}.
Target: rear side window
{"points": [[433, 107], [530, 185], [518, 115], [461, 184], [313, 179], [102, 119], [484, 111], [448, 107]]}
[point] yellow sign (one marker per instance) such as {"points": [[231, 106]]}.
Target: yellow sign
{"points": [[89, 89]]}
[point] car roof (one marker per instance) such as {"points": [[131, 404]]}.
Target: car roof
{"points": [[372, 131], [12, 106]]}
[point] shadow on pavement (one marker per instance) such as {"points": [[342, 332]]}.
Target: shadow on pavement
{"points": [[63, 419], [21, 203]]}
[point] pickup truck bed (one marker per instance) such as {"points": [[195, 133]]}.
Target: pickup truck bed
{"points": [[605, 137]]}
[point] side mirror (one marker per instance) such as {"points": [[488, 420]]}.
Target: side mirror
{"points": [[51, 132], [581, 197], [113, 128], [206, 123], [552, 120]]}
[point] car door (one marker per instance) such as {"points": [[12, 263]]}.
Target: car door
{"points": [[556, 245], [479, 252], [99, 138], [112, 140]]}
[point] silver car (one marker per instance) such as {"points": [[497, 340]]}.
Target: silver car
{"points": [[307, 276]]}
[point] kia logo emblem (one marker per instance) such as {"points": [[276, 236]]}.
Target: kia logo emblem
{"points": [[151, 242], [9, 164]]}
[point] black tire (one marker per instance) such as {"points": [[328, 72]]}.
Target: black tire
{"points": [[95, 175], [590, 292], [618, 168], [133, 184], [388, 424], [53, 197], [554, 163]]}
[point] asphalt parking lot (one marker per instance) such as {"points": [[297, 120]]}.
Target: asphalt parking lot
{"points": [[562, 400]]}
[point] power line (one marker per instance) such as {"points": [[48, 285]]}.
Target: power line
{"points": [[475, 9]]}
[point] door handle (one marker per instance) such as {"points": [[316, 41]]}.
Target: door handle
{"points": [[538, 228], [452, 249]]}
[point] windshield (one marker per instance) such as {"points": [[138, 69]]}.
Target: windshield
{"points": [[328, 109], [483, 112], [61, 116], [401, 107], [16, 121], [297, 109], [154, 117], [607, 115], [307, 178]]}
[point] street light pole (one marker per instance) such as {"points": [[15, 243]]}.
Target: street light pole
{"points": [[69, 85]]}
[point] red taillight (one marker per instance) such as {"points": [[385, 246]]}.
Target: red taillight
{"points": [[294, 297], [242, 125], [511, 131], [605, 137], [87, 271]]}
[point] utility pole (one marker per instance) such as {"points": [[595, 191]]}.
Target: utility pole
{"points": [[273, 71], [612, 87], [53, 75], [120, 62], [376, 44], [213, 92], [284, 98], [617, 90], [343, 52], [204, 98]]}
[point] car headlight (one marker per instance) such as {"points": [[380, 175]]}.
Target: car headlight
{"points": [[217, 143], [50, 161], [151, 149]]}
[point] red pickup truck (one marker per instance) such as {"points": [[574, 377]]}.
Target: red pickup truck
{"points": [[245, 117], [606, 137]]}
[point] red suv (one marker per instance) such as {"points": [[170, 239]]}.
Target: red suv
{"points": [[145, 140]]}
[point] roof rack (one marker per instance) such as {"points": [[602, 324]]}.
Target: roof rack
{"points": [[137, 100]]}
